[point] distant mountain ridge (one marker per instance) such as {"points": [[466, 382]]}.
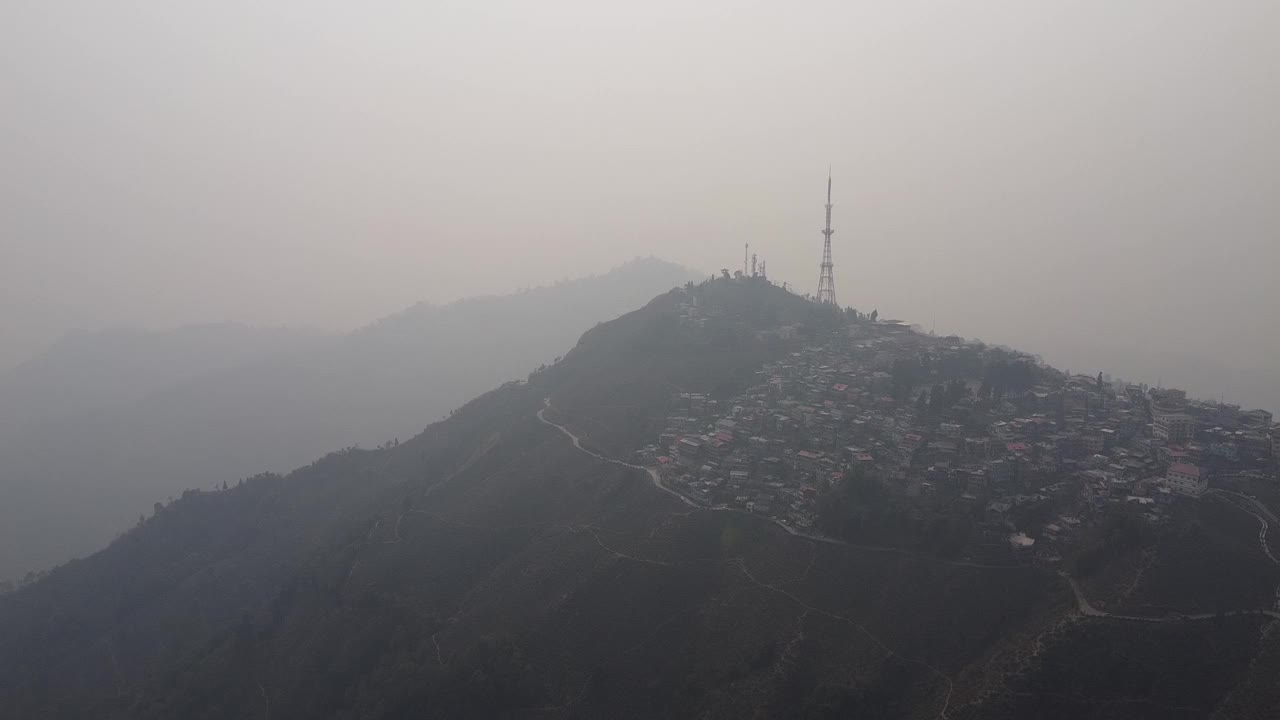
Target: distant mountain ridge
{"points": [[104, 425], [85, 371]]}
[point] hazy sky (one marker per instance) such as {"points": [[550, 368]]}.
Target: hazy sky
{"points": [[1094, 181]]}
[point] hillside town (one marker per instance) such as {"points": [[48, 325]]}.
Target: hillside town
{"points": [[947, 433]]}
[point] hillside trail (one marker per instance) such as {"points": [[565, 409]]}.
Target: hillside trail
{"points": [[1240, 501], [577, 443], [1086, 609]]}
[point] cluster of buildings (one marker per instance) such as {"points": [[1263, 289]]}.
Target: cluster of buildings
{"points": [[1021, 451]]}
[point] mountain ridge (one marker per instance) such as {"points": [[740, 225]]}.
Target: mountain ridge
{"points": [[492, 567]]}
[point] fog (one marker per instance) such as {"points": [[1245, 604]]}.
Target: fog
{"points": [[1091, 181]]}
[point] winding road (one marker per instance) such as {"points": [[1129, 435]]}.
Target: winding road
{"points": [[1241, 502], [1088, 610], [653, 472]]}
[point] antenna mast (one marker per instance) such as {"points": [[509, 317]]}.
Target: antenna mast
{"points": [[826, 281]]}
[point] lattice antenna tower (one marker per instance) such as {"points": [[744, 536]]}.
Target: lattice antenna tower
{"points": [[826, 280]]}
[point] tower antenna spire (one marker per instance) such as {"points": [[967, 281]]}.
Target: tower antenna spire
{"points": [[826, 280]]}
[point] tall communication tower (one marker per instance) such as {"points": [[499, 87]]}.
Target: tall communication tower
{"points": [[827, 281]]}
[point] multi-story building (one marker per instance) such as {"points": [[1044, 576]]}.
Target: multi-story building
{"points": [[1172, 427], [1186, 479], [688, 451]]}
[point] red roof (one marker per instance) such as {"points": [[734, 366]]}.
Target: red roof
{"points": [[840, 387], [1185, 469]]}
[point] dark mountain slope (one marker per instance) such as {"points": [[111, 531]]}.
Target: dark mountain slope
{"points": [[488, 568], [154, 418]]}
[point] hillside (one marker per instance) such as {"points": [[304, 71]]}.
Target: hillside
{"points": [[509, 562], [103, 426]]}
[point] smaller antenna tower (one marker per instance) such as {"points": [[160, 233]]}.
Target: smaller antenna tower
{"points": [[753, 264]]}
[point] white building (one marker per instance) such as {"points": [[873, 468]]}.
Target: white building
{"points": [[1022, 544], [1172, 427], [1186, 479]]}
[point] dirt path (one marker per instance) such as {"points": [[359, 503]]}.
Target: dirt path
{"points": [[1088, 610]]}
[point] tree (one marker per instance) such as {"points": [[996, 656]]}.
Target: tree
{"points": [[874, 315]]}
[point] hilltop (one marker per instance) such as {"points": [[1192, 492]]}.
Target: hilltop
{"points": [[540, 553]]}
